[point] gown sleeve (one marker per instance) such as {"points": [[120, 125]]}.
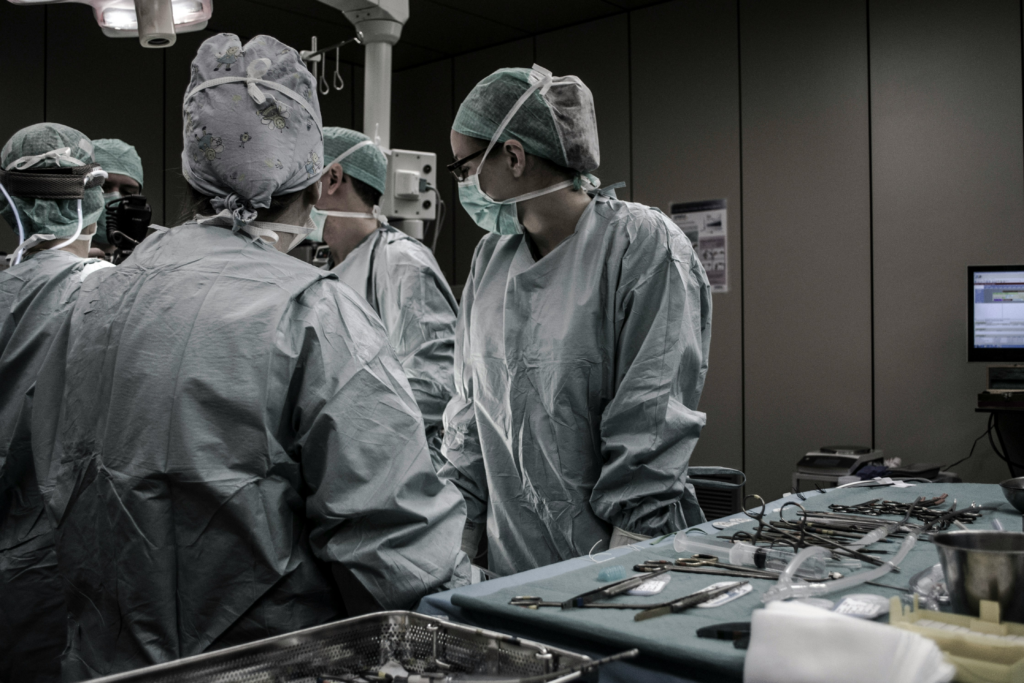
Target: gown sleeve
{"points": [[651, 426], [464, 460], [378, 512], [419, 311]]}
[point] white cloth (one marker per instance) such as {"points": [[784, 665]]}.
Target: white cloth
{"points": [[795, 643]]}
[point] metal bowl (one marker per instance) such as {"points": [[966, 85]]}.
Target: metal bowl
{"points": [[983, 565], [1013, 489]]}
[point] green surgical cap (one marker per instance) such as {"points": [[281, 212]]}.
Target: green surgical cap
{"points": [[57, 217], [367, 163], [117, 156], [557, 123]]}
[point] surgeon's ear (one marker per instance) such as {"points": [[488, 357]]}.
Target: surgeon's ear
{"points": [[516, 157], [333, 178]]}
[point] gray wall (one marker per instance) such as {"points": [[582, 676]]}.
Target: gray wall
{"points": [[948, 168], [868, 155], [869, 152], [806, 230]]}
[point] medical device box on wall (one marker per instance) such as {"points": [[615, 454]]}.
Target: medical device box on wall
{"points": [[406, 197]]}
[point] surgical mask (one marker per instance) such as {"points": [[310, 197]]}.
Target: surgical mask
{"points": [[300, 232], [39, 238], [262, 230], [86, 238], [498, 217], [268, 232], [319, 218], [502, 217]]}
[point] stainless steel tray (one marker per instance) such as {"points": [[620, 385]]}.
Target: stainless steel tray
{"points": [[421, 644]]}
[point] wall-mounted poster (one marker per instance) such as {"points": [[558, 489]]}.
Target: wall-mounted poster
{"points": [[705, 224]]}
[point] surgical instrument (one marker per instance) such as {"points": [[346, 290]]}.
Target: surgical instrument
{"points": [[568, 674], [687, 602], [702, 562], [715, 571], [736, 631], [609, 591], [533, 602], [699, 560]]}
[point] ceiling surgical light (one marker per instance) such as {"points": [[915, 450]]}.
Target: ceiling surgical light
{"points": [[161, 20]]}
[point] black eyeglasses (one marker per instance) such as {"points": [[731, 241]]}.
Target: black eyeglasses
{"points": [[456, 168]]}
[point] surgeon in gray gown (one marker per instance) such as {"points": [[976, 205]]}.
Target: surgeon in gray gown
{"points": [[582, 342], [35, 295], [396, 274], [225, 440]]}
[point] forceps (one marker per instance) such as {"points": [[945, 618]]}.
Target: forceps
{"points": [[533, 602], [699, 561]]}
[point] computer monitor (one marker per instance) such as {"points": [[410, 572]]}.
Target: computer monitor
{"points": [[995, 314]]}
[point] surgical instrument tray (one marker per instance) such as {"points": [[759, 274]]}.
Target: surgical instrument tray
{"points": [[352, 647]]}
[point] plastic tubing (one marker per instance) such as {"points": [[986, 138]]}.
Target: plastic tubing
{"points": [[786, 588], [747, 555], [872, 537]]}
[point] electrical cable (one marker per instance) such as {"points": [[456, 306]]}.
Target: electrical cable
{"points": [[988, 433], [442, 210], [442, 213], [1009, 463]]}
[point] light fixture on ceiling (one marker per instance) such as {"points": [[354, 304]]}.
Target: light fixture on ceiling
{"points": [[154, 22]]}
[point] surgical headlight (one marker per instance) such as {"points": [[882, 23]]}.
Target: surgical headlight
{"points": [[53, 183]]}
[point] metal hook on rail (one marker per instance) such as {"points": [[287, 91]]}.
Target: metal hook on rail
{"points": [[318, 64], [324, 87], [339, 82]]}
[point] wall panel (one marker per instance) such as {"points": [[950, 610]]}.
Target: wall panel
{"points": [[336, 105], [293, 25], [685, 147], [807, 249], [23, 58], [107, 88], [598, 53], [948, 193], [421, 117]]}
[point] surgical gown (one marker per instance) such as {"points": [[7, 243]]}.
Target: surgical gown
{"points": [[231, 451], [402, 282], [578, 378], [35, 296]]}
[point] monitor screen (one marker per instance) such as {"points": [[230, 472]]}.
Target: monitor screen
{"points": [[995, 329]]}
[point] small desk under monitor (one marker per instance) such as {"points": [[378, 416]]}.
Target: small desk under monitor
{"points": [[995, 334]]}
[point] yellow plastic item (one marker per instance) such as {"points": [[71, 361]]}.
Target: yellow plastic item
{"points": [[983, 649]]}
